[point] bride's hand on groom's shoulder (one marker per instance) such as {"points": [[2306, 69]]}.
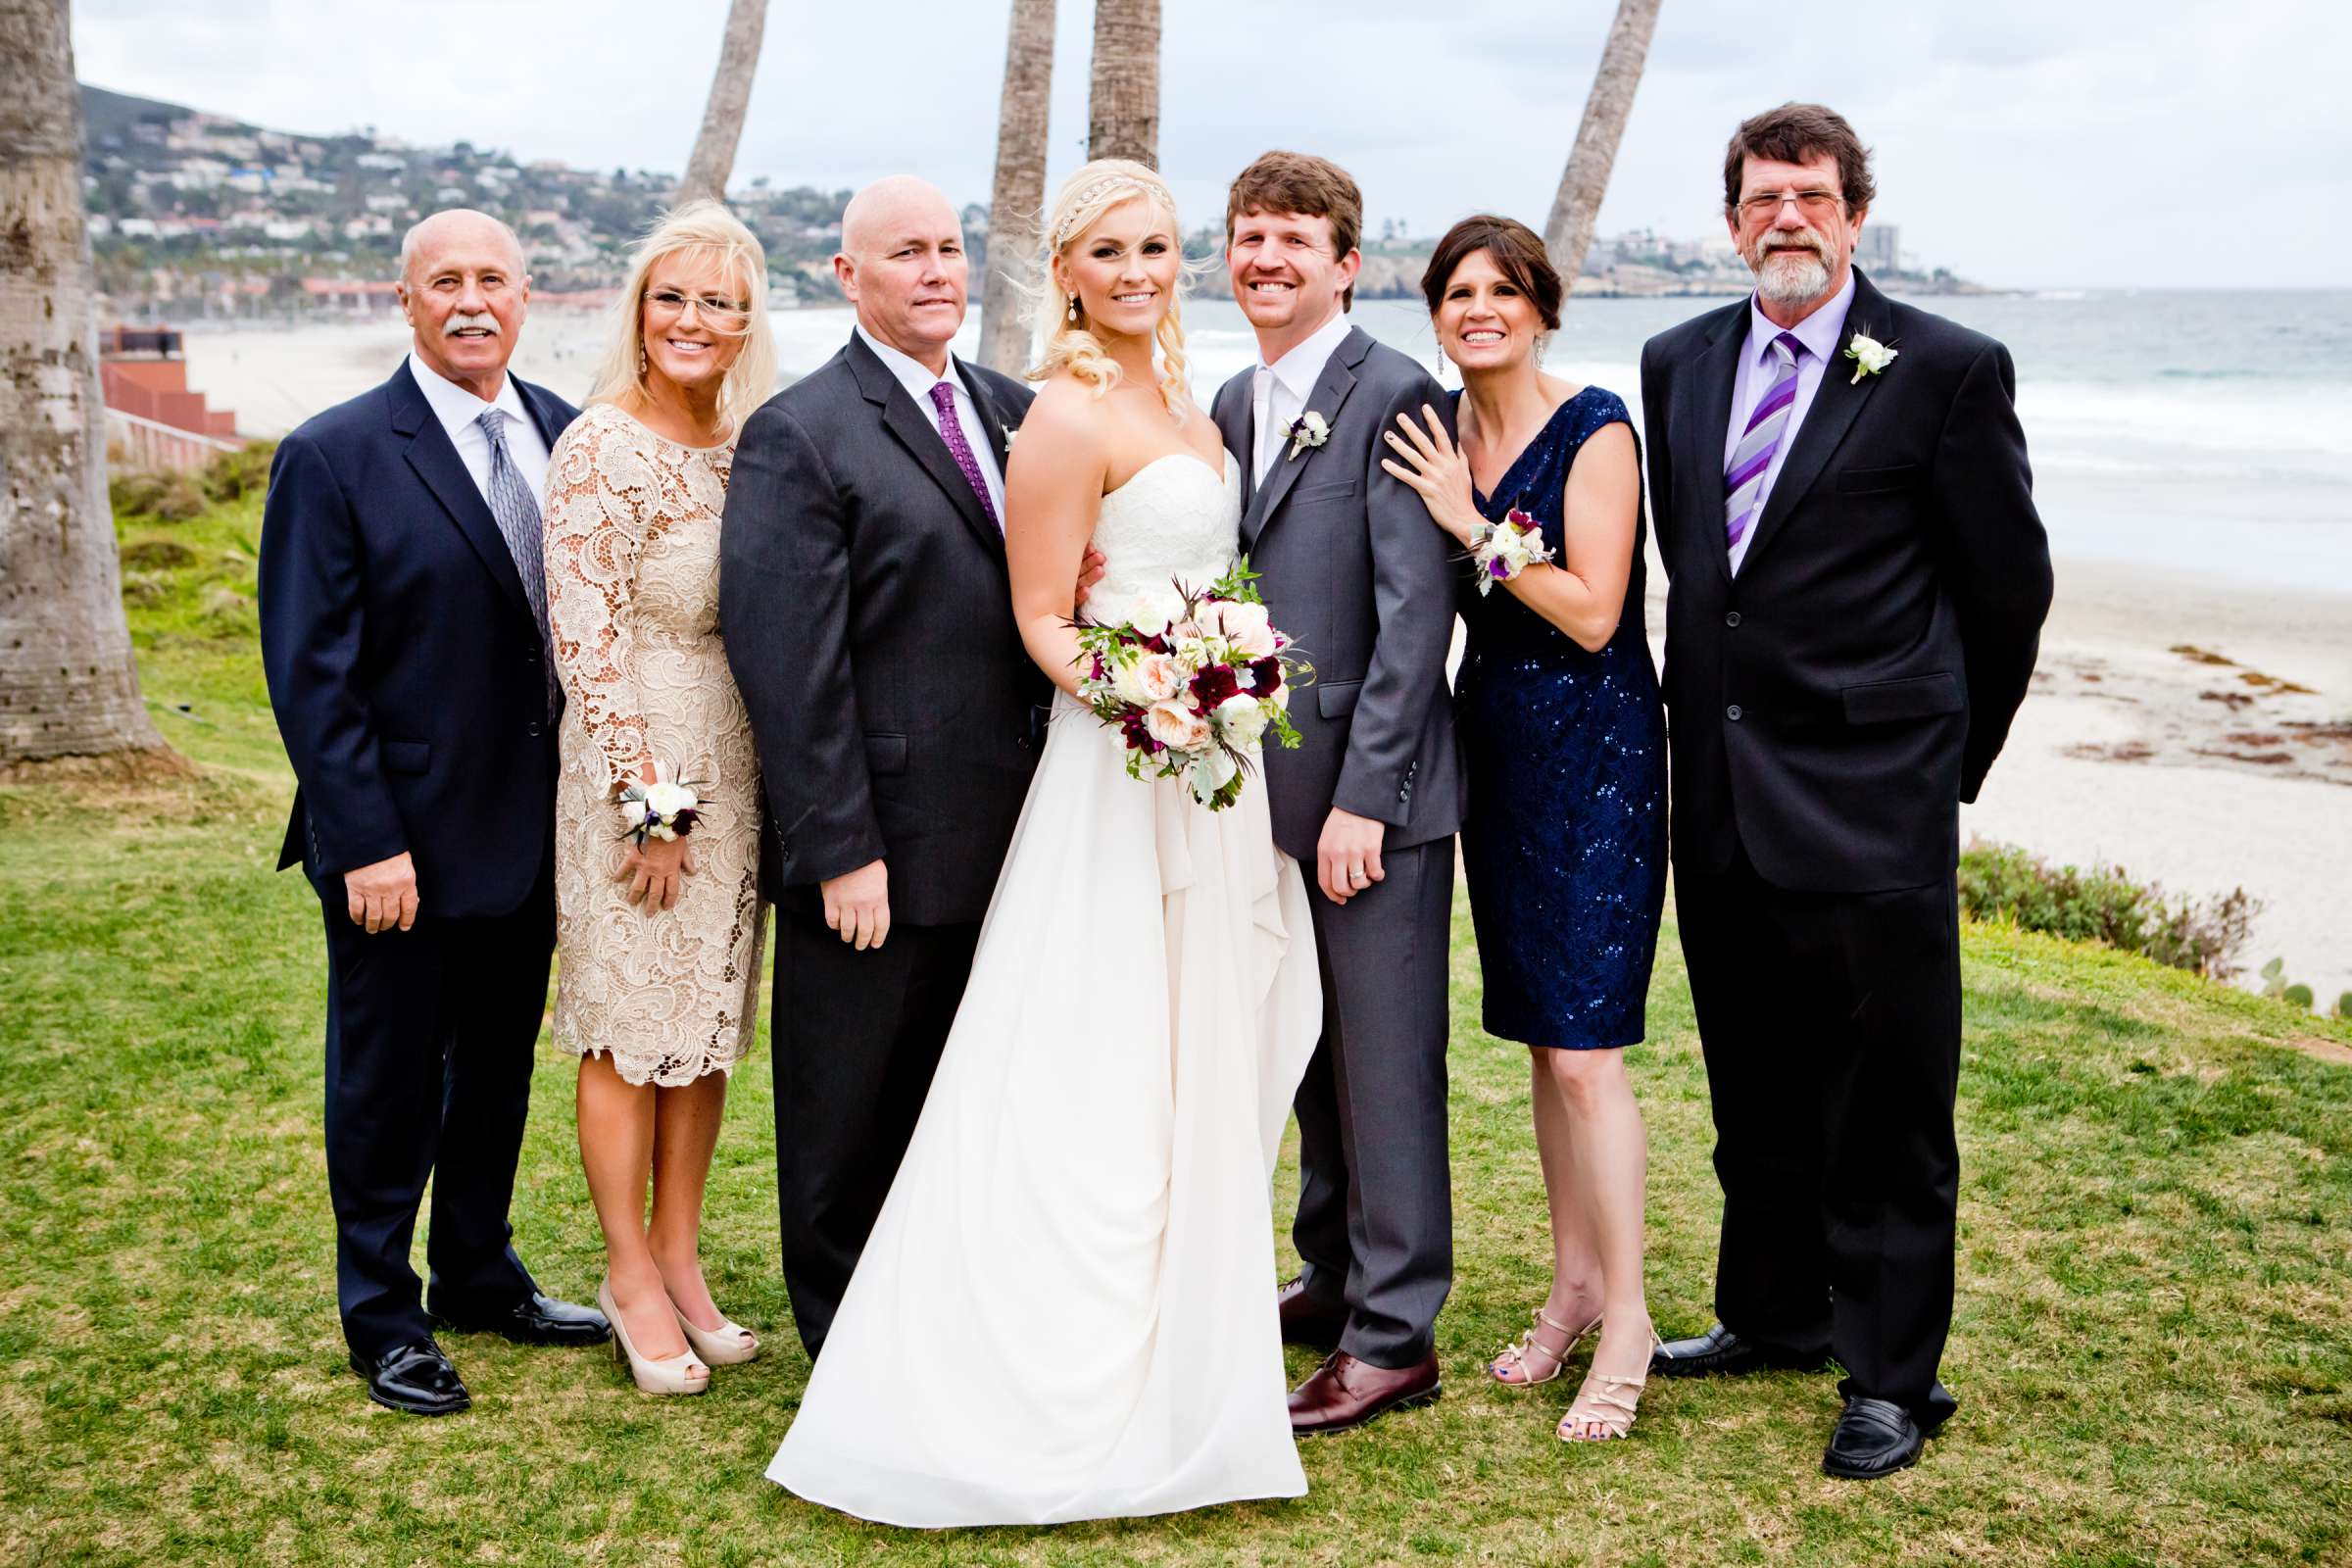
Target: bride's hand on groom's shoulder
{"points": [[858, 905]]}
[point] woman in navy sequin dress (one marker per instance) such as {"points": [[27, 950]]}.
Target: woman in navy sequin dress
{"points": [[1565, 838]]}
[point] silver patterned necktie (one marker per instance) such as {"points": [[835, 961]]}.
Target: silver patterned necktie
{"points": [[1743, 477], [518, 523]]}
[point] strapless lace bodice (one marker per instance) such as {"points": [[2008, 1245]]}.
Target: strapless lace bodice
{"points": [[1175, 520]]}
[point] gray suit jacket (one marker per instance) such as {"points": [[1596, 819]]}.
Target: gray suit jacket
{"points": [[1355, 571]]}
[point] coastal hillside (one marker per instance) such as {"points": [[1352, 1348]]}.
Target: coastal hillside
{"points": [[197, 213]]}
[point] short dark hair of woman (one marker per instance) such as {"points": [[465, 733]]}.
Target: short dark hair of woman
{"points": [[1517, 254], [1798, 133]]}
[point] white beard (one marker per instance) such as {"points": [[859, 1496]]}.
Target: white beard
{"points": [[1793, 277]]}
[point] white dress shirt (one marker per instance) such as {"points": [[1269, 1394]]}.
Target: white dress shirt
{"points": [[916, 377], [1278, 392], [1822, 335], [459, 413]]}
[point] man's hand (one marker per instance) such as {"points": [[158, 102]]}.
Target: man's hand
{"points": [[1347, 855], [858, 905], [383, 895], [655, 873], [1090, 572]]}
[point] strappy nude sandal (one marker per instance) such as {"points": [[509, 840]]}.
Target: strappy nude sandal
{"points": [[1605, 1407], [1513, 1357]]}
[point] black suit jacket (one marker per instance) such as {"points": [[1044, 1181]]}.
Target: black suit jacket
{"points": [[1833, 705], [404, 665], [867, 615], [1355, 571]]}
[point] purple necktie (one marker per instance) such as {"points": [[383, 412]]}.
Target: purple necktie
{"points": [[951, 430], [1751, 460]]}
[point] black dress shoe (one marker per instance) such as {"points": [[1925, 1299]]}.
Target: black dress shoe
{"points": [[536, 1319], [1306, 1320], [1873, 1438], [1719, 1352], [416, 1377]]}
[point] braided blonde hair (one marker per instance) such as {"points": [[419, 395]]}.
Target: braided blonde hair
{"points": [[1070, 344]]}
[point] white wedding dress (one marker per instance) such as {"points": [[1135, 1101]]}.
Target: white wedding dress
{"points": [[1066, 1309]]}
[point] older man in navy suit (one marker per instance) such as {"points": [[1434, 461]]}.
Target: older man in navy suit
{"points": [[404, 632]]}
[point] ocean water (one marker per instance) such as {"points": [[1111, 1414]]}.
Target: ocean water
{"points": [[2206, 431]]}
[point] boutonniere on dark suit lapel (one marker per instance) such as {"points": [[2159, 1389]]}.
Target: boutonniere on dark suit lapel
{"points": [[1870, 356], [1307, 432]]}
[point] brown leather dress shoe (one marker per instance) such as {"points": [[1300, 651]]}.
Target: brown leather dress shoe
{"points": [[1306, 1320], [1346, 1392]]}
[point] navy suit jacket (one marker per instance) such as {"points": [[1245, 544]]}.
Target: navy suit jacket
{"points": [[405, 667]]}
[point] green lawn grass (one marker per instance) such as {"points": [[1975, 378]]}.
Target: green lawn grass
{"points": [[2153, 1345]]}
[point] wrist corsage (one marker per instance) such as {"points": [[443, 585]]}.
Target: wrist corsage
{"points": [[1503, 549], [664, 810]]}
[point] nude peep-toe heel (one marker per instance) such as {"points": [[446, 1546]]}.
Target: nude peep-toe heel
{"points": [[1513, 1357], [1605, 1407], [731, 1345], [681, 1373]]}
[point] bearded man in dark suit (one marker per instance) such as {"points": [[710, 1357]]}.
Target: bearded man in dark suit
{"points": [[1859, 581]]}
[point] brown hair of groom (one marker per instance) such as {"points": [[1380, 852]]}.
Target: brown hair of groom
{"points": [[1798, 133], [1301, 183], [1517, 252]]}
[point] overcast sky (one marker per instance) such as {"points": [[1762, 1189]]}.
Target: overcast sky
{"points": [[2019, 142]]}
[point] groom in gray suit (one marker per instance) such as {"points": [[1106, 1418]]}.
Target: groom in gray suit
{"points": [[1353, 568]]}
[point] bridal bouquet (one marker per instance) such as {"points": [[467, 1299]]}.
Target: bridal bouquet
{"points": [[1193, 681]]}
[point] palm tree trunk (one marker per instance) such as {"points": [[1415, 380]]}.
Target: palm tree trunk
{"points": [[1018, 196], [67, 683], [713, 157], [1123, 109], [1585, 180]]}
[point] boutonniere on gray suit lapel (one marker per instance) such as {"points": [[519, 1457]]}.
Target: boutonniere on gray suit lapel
{"points": [[1870, 356], [1307, 432]]}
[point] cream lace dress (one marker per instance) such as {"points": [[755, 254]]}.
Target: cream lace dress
{"points": [[632, 576]]}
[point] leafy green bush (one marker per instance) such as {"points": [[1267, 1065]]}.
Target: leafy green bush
{"points": [[2002, 882], [235, 476], [167, 497]]}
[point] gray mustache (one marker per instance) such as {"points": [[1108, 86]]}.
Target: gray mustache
{"points": [[1810, 244], [481, 320]]}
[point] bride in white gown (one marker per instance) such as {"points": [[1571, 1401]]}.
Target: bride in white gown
{"points": [[1067, 1309]]}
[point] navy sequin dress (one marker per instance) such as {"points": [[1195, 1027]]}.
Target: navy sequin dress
{"points": [[1565, 836]]}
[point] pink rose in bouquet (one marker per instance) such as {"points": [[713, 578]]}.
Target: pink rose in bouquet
{"points": [[1193, 684]]}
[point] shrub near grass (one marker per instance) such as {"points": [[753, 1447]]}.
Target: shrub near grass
{"points": [[2002, 882]]}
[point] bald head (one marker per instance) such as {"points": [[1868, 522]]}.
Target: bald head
{"points": [[458, 227], [463, 287], [896, 207], [902, 264]]}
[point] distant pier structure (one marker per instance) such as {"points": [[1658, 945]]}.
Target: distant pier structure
{"points": [[153, 421]]}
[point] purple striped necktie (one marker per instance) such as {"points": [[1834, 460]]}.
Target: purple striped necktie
{"points": [[951, 430], [1751, 460]]}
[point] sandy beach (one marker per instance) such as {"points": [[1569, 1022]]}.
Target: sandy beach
{"points": [[2228, 766], [2199, 735]]}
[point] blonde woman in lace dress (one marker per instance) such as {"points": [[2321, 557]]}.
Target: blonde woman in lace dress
{"points": [[659, 945]]}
